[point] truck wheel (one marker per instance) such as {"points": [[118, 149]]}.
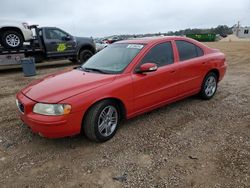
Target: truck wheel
{"points": [[12, 39], [102, 121], [84, 56]]}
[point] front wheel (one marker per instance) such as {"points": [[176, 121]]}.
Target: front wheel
{"points": [[84, 56], [209, 86], [102, 121]]}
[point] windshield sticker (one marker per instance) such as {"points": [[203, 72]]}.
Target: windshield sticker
{"points": [[135, 46]]}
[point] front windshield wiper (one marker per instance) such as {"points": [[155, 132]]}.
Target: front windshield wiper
{"points": [[94, 70], [79, 68], [89, 69]]}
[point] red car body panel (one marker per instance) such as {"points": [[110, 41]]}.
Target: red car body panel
{"points": [[138, 93], [49, 126], [65, 85]]}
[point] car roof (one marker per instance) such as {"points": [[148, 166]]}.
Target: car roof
{"points": [[151, 40]]}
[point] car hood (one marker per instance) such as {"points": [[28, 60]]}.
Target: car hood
{"points": [[57, 87]]}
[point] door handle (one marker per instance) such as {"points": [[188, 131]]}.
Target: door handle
{"points": [[172, 71], [204, 62]]}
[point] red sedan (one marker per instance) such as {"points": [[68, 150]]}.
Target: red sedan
{"points": [[124, 80]]}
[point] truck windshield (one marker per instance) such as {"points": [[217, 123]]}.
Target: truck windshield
{"points": [[113, 59]]}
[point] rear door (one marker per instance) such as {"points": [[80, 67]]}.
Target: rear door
{"points": [[58, 42], [153, 88], [192, 66]]}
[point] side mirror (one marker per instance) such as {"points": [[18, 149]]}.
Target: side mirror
{"points": [[67, 38], [147, 67]]}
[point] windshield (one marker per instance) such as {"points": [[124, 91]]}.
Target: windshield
{"points": [[113, 59]]}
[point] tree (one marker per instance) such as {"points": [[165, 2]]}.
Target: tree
{"points": [[222, 30]]}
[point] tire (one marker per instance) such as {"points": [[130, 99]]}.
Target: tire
{"points": [[84, 56], [12, 39], [99, 125], [209, 86]]}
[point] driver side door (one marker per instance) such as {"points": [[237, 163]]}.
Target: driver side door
{"points": [[58, 42], [155, 88]]}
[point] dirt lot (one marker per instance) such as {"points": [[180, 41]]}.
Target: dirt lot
{"points": [[191, 143]]}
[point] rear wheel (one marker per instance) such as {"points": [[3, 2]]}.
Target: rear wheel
{"points": [[209, 86], [84, 56], [102, 121], [12, 39]]}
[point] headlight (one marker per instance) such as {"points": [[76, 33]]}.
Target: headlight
{"points": [[52, 109]]}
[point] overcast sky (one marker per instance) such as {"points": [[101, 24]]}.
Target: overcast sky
{"points": [[99, 18]]}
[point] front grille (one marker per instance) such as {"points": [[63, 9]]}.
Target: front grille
{"points": [[20, 106]]}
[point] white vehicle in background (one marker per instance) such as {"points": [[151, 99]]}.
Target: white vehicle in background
{"points": [[14, 33], [100, 46]]}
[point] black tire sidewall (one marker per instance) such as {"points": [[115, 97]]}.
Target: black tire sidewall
{"points": [[3, 39], [83, 54], [95, 114], [203, 87]]}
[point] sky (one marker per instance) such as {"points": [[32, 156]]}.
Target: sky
{"points": [[98, 18]]}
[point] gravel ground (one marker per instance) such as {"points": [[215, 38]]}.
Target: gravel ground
{"points": [[191, 143]]}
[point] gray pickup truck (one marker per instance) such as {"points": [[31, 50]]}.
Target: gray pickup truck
{"points": [[54, 43]]}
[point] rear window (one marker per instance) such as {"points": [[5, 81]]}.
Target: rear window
{"points": [[188, 50]]}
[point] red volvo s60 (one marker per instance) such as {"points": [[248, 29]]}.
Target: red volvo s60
{"points": [[125, 79]]}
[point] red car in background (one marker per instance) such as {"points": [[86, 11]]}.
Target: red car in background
{"points": [[112, 40], [124, 80]]}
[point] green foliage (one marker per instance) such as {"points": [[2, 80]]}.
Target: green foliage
{"points": [[220, 29]]}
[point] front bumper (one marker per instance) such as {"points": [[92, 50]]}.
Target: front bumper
{"points": [[49, 126]]}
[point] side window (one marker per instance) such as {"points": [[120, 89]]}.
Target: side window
{"points": [[199, 51], [55, 34], [188, 50], [161, 54]]}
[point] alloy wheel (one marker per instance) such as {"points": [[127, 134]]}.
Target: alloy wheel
{"points": [[12, 40], [210, 86], [107, 121]]}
